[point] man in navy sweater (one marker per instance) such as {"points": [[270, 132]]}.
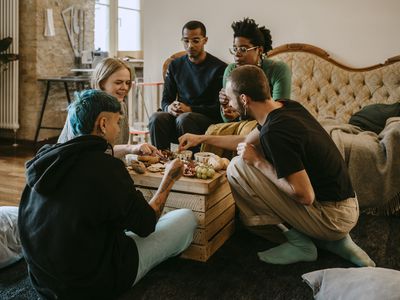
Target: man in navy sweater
{"points": [[190, 98]]}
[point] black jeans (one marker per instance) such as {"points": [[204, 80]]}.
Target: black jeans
{"points": [[165, 128]]}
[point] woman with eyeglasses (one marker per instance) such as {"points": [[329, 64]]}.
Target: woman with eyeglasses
{"points": [[251, 43]]}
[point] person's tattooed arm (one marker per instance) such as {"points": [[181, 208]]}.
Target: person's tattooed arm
{"points": [[173, 171]]}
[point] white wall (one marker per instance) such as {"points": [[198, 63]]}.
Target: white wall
{"points": [[358, 33]]}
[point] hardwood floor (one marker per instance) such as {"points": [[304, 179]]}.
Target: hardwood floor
{"points": [[12, 172]]}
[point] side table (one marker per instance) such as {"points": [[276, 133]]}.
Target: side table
{"points": [[211, 201]]}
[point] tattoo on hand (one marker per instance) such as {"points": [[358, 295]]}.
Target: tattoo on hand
{"points": [[169, 179], [175, 173], [165, 184]]}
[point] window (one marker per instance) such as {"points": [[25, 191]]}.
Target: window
{"points": [[117, 26], [102, 25], [129, 25]]}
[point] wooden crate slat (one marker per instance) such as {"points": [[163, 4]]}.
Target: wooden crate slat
{"points": [[202, 253], [195, 202], [203, 235], [204, 218], [220, 193]]}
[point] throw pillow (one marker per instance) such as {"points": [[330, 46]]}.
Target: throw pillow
{"points": [[354, 283], [373, 117], [10, 245]]}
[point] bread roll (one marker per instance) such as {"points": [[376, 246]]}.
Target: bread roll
{"points": [[149, 159], [138, 167], [225, 163], [216, 162]]}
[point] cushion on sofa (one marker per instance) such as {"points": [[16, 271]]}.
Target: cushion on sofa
{"points": [[373, 117]]}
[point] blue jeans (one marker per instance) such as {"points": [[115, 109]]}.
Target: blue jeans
{"points": [[173, 234]]}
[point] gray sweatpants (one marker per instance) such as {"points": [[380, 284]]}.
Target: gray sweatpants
{"points": [[260, 203]]}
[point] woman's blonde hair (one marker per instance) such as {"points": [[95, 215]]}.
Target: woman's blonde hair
{"points": [[105, 69]]}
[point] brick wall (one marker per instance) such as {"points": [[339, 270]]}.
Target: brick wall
{"points": [[42, 56]]}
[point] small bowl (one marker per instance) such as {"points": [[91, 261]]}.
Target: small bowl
{"points": [[203, 157], [129, 158], [184, 155]]}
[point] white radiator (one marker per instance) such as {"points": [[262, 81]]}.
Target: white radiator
{"points": [[9, 78]]}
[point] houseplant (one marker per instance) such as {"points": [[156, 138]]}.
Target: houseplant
{"points": [[6, 57]]}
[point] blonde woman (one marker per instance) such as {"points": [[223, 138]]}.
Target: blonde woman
{"points": [[114, 77]]}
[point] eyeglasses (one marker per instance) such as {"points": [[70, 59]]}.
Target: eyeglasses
{"points": [[242, 50], [194, 41]]}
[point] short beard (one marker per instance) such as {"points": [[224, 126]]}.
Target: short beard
{"points": [[241, 110], [195, 56], [244, 113]]}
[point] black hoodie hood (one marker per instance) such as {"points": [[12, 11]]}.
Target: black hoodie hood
{"points": [[48, 168]]}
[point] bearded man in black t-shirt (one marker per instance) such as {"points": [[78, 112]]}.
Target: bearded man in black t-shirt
{"points": [[298, 182], [289, 174]]}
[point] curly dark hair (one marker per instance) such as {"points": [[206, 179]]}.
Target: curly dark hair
{"points": [[258, 36]]}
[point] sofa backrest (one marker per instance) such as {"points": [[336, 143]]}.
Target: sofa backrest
{"points": [[330, 90], [168, 61]]}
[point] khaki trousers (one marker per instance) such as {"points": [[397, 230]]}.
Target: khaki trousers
{"points": [[260, 203]]}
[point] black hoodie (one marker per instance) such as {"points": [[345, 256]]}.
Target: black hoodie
{"points": [[74, 210]]}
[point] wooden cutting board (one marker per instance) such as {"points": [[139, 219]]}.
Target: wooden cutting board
{"points": [[191, 185]]}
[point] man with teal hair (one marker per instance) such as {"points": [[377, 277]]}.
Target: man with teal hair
{"points": [[86, 232]]}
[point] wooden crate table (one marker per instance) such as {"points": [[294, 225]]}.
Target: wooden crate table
{"points": [[210, 200]]}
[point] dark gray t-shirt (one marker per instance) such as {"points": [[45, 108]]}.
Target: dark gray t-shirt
{"points": [[293, 140]]}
